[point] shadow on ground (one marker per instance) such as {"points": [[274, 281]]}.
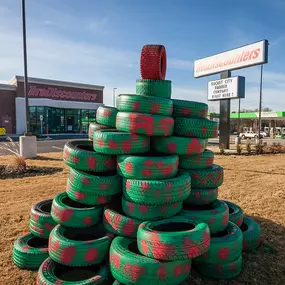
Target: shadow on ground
{"points": [[264, 266]]}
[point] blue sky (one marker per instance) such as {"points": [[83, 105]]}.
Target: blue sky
{"points": [[99, 42]]}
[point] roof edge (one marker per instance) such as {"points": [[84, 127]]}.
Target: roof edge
{"points": [[34, 80], [7, 87]]}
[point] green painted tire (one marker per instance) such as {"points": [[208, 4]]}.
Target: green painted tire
{"points": [[158, 192], [93, 188], [41, 221], [178, 145], [219, 271], [216, 215], [72, 214], [150, 212], [106, 116], [145, 124], [30, 251], [51, 273], [116, 142], [155, 88], [144, 104], [201, 196], [236, 213], [79, 247], [118, 223], [195, 128], [116, 282], [178, 238], [80, 155], [207, 178], [251, 234], [130, 267], [189, 109], [225, 246], [199, 161], [93, 127], [148, 166]]}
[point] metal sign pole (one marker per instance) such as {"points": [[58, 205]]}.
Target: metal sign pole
{"points": [[260, 104], [238, 117], [225, 110]]}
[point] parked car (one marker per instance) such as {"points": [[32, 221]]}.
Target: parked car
{"points": [[263, 134], [248, 135]]}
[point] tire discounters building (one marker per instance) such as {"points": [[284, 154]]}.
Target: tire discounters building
{"points": [[55, 106]]}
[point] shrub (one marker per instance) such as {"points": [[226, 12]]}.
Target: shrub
{"points": [[239, 148], [13, 148], [248, 147]]}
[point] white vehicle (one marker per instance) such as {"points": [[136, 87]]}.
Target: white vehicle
{"points": [[248, 135], [263, 134]]}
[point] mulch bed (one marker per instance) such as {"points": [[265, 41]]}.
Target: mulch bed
{"points": [[7, 172]]}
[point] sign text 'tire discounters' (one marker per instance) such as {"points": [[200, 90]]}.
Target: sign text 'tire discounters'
{"points": [[253, 54]]}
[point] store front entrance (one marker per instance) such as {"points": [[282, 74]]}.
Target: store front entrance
{"points": [[48, 120]]}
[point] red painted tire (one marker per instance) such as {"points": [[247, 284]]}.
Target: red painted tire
{"points": [[178, 238], [144, 104], [216, 215], [51, 273], [147, 166], [145, 124], [118, 223], [79, 154], [72, 214], [116, 142], [179, 145], [130, 267], [106, 116], [201, 196], [41, 221], [158, 192], [236, 213], [251, 234], [150, 212], [226, 246], [199, 161], [153, 62], [79, 247], [93, 127]]}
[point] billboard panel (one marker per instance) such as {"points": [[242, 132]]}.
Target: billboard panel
{"points": [[245, 56]]}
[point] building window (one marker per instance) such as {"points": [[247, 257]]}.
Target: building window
{"points": [[48, 120]]}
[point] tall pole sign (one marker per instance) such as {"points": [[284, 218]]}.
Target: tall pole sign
{"points": [[228, 87]]}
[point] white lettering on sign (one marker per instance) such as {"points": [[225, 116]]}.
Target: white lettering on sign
{"points": [[61, 94], [225, 88], [267, 114], [245, 56]]}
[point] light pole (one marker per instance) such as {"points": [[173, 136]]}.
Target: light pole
{"points": [[114, 96], [27, 133], [28, 143]]}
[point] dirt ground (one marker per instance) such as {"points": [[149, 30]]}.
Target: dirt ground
{"points": [[256, 183]]}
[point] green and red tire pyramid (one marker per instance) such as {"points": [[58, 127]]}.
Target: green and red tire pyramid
{"points": [[140, 206]]}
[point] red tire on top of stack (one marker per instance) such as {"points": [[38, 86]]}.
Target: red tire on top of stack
{"points": [[153, 62]]}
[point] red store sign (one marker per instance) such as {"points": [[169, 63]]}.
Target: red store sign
{"points": [[60, 94]]}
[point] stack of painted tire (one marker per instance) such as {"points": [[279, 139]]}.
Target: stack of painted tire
{"points": [[31, 250], [79, 244], [132, 179]]}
